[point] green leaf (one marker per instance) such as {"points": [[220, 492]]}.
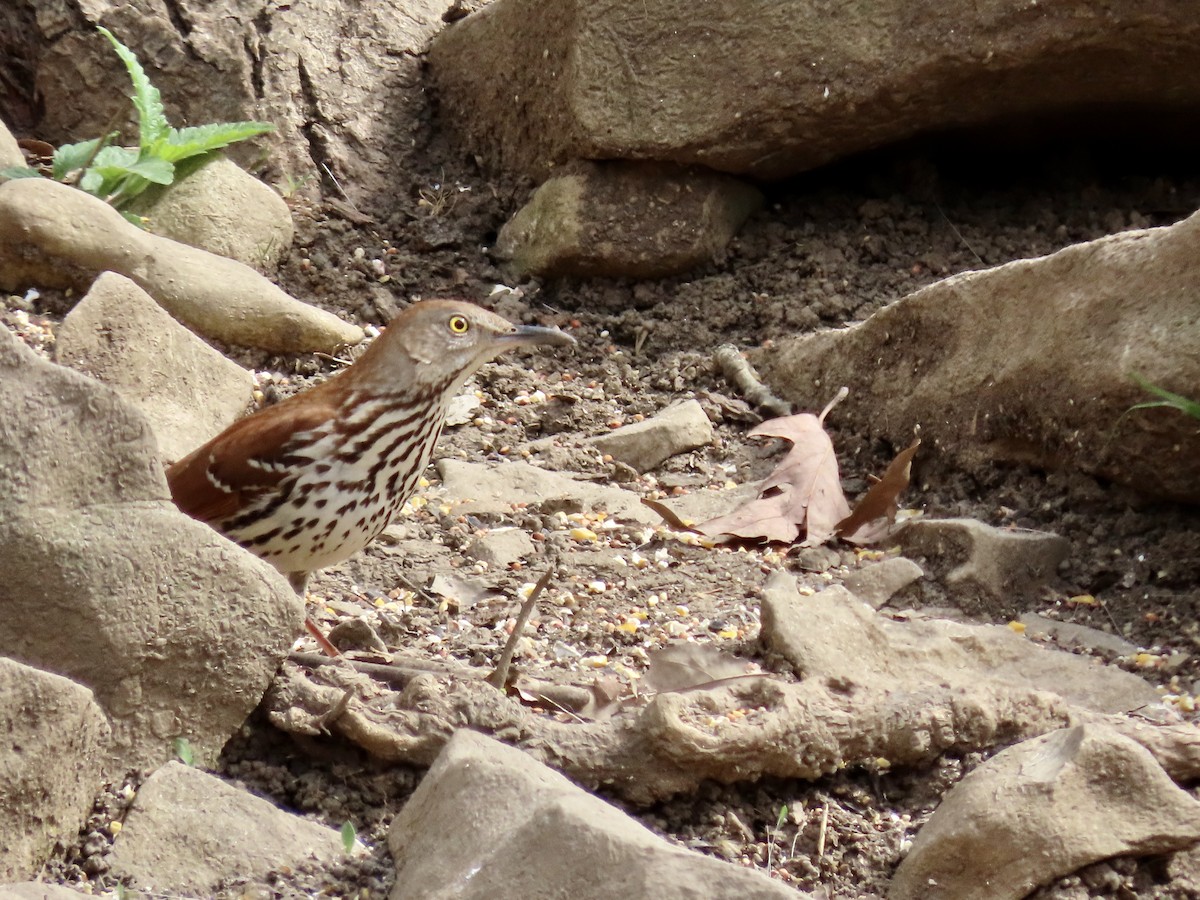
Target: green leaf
{"points": [[782, 817], [20, 172], [181, 143], [1170, 400], [70, 157], [152, 121], [349, 835], [183, 750]]}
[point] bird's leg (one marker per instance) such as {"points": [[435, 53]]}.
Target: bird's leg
{"points": [[299, 581]]}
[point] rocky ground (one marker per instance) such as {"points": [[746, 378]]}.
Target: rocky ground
{"points": [[829, 248]]}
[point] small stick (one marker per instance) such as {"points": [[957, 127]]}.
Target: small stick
{"points": [[821, 832], [743, 377], [499, 676]]}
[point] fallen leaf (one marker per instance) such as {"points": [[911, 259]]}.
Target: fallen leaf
{"points": [[804, 493], [668, 515], [680, 666], [875, 514], [607, 695]]}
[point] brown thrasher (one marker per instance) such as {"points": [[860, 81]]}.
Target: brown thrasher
{"points": [[312, 480]]}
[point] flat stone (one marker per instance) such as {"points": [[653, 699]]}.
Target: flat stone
{"points": [[878, 582], [187, 831], [10, 152], [489, 821], [118, 335], [1042, 809], [38, 890], [618, 219], [834, 635], [644, 445], [53, 743], [1003, 564], [483, 489], [500, 547], [1073, 636]]}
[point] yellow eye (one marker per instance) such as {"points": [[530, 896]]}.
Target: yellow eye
{"points": [[459, 325]]}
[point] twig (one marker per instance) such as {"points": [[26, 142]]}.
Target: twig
{"points": [[396, 674], [821, 831], [499, 677], [743, 377]]}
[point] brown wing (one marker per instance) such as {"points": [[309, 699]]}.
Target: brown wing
{"points": [[218, 479]]}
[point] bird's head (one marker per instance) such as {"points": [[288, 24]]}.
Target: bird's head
{"points": [[438, 344]]}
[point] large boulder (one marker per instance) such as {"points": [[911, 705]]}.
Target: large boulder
{"points": [[176, 630], [1029, 362], [772, 89]]}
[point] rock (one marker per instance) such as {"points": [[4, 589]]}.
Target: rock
{"points": [[38, 890], [1184, 870], [118, 335], [56, 236], [1075, 637], [1041, 810], [625, 219], [478, 488], [283, 63], [877, 583], [222, 209], [1125, 302], [53, 746], [500, 547], [187, 831], [176, 630], [1000, 564], [789, 87], [644, 445], [834, 635], [10, 152], [489, 821]]}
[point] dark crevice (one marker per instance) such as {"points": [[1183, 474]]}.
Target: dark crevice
{"points": [[254, 49], [318, 150], [178, 19]]}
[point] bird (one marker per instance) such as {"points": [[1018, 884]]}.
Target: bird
{"points": [[310, 481]]}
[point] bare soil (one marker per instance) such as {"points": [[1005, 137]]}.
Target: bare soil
{"points": [[829, 248]]}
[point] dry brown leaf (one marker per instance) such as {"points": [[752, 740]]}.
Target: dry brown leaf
{"points": [[875, 514], [680, 666], [607, 696], [804, 493]]}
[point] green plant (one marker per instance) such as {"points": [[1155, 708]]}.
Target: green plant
{"points": [[1173, 401], [349, 836], [119, 174], [183, 751]]}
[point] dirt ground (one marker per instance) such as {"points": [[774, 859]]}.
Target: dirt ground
{"points": [[828, 248]]}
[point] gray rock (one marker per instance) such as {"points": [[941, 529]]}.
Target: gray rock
{"points": [[997, 337], [1073, 636], [176, 630], [644, 445], [500, 547], [52, 235], [1001, 564], [834, 635], [53, 747], [712, 85], [478, 488], [188, 830], [38, 890], [625, 219], [225, 210], [1041, 810], [877, 583], [10, 153], [489, 821], [118, 335], [281, 63]]}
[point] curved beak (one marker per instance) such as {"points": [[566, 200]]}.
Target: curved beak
{"points": [[534, 335]]}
